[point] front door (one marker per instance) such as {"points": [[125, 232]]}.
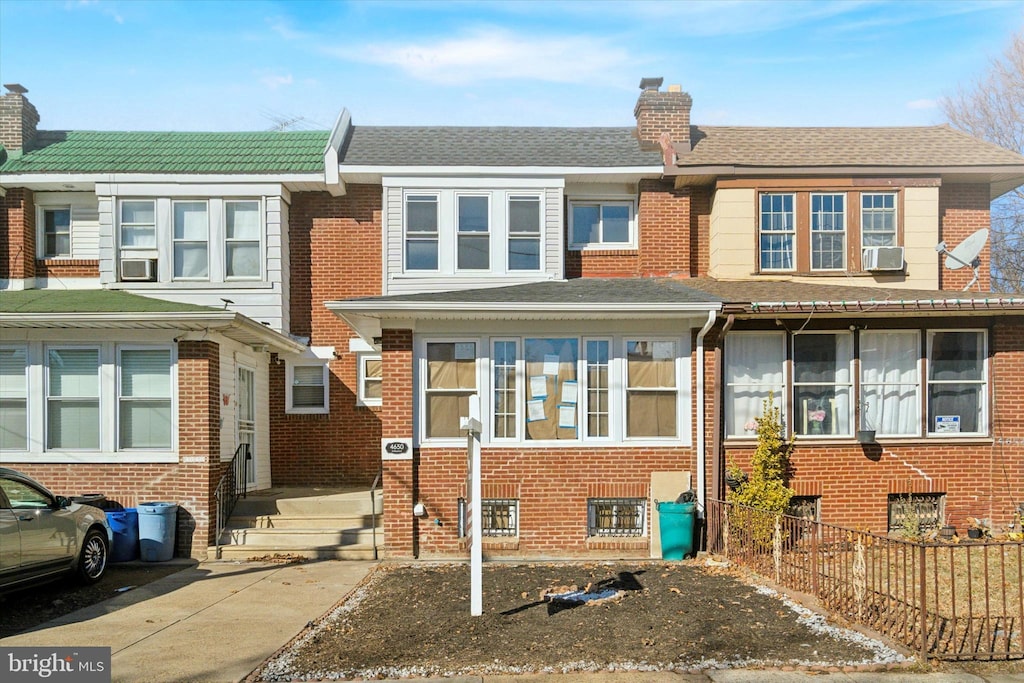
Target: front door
{"points": [[246, 420]]}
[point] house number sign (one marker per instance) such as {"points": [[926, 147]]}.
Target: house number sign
{"points": [[396, 449]]}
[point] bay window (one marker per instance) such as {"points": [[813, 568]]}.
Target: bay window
{"points": [[73, 398], [450, 381], [144, 398], [191, 241], [13, 398], [956, 382]]}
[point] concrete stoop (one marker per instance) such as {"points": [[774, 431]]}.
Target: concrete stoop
{"points": [[335, 524]]}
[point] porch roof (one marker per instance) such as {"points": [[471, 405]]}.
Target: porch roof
{"points": [[106, 309]]}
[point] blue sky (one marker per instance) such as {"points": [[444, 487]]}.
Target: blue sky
{"points": [[140, 65]]}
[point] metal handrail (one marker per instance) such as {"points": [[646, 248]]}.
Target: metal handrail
{"points": [[373, 506], [231, 486]]}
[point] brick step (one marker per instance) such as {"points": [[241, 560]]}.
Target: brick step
{"points": [[302, 538], [248, 552]]}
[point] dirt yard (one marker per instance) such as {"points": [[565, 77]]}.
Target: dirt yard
{"points": [[414, 620]]}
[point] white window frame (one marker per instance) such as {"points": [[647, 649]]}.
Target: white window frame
{"points": [[485, 236], [611, 395], [325, 369], [42, 233], [362, 399], [517, 395], [844, 233], [917, 384], [121, 224], [100, 395], [24, 396], [175, 241], [422, 380], [779, 391], [792, 232], [522, 236], [172, 379], [261, 210], [880, 210], [984, 383], [600, 203], [421, 236], [627, 388]]}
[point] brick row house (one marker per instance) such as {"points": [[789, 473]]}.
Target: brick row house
{"points": [[614, 303]]}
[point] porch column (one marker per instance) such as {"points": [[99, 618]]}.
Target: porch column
{"points": [[396, 423], [199, 468]]}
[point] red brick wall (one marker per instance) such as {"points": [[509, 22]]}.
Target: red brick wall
{"points": [[17, 235], [400, 476], [980, 477], [335, 253], [660, 112], [964, 209], [700, 230], [189, 482], [67, 268]]}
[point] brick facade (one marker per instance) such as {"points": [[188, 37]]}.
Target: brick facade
{"points": [[660, 112], [60, 268], [963, 209], [19, 120], [17, 235]]}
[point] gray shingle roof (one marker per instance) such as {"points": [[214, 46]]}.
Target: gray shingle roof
{"points": [[773, 147], [495, 146]]}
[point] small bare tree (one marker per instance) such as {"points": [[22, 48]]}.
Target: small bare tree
{"points": [[993, 109]]}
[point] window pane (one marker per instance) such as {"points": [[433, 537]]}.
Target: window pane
{"points": [[651, 414], [524, 254], [146, 373], [956, 356], [615, 220], [307, 396], [421, 255], [190, 221], [190, 260], [524, 215], [443, 413], [373, 389], [597, 388], [550, 363], [138, 236], [243, 259], [243, 220], [74, 372], [473, 214], [421, 214], [145, 424], [73, 424], [12, 373], [13, 424], [753, 368], [309, 375], [451, 365], [585, 223], [474, 252], [505, 416], [137, 212], [890, 401]]}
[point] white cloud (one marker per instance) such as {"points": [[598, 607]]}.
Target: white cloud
{"points": [[492, 53], [922, 104], [275, 81]]}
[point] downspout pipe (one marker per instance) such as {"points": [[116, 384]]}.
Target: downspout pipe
{"points": [[701, 418]]}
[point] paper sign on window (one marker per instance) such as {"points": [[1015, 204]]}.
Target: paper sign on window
{"points": [[567, 417], [465, 351], [947, 424], [570, 391], [539, 387], [535, 411], [664, 350], [551, 364]]}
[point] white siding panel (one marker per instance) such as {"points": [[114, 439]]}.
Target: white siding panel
{"points": [[283, 239], [553, 232]]}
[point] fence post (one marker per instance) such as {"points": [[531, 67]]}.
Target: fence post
{"points": [[860, 577], [777, 548], [725, 530], [814, 559], [922, 592]]}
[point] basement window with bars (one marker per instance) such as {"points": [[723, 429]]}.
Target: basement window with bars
{"points": [[616, 516], [807, 508], [916, 511], [499, 517]]}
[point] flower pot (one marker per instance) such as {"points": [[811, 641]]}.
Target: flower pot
{"points": [[947, 532], [974, 533], [866, 436]]}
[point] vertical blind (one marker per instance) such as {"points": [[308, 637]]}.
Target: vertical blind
{"points": [[73, 403], [13, 395]]}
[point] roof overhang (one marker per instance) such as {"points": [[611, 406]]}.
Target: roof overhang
{"points": [[368, 317], [332, 153], [570, 174], [86, 182], [1001, 179], [944, 306], [232, 325]]}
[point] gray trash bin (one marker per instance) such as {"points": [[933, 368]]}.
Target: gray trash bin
{"points": [[157, 523]]}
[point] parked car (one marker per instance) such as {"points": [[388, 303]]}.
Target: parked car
{"points": [[45, 536]]}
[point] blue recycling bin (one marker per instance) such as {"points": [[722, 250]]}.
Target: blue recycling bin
{"points": [[125, 525], [157, 523], [676, 521]]}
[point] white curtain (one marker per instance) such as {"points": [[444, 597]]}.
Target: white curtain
{"points": [[243, 239], [753, 367], [889, 382], [191, 234]]}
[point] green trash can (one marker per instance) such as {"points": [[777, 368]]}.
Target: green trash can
{"points": [[676, 521]]}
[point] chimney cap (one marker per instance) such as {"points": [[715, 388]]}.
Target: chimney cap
{"points": [[651, 83], [16, 88]]}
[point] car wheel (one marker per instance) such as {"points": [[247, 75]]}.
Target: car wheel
{"points": [[92, 561]]}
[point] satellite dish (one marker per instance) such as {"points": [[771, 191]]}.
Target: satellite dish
{"points": [[966, 253]]}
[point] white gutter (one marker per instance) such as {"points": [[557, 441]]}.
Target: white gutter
{"points": [[701, 456], [997, 301], [340, 132], [501, 170], [20, 179], [525, 307]]}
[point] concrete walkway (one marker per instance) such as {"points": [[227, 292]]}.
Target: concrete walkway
{"points": [[219, 621], [215, 622]]}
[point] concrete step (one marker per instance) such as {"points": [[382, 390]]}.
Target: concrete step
{"points": [[302, 538], [309, 502], [248, 552], [302, 521]]}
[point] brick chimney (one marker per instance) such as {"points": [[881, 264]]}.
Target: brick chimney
{"points": [[18, 120], [660, 112]]}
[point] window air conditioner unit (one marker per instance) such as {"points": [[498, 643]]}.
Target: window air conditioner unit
{"points": [[882, 258], [138, 270]]}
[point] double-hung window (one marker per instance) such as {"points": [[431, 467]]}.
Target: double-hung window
{"points": [[138, 224], [308, 388], [191, 241], [890, 382], [828, 231], [242, 233], [878, 219], [523, 233], [474, 232], [957, 383], [13, 398], [57, 233], [651, 394], [601, 224], [144, 398], [822, 383], [451, 378], [778, 231], [421, 235], [73, 398], [371, 380], [755, 368]]}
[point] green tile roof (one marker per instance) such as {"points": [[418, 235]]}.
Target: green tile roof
{"points": [[89, 301], [83, 151]]}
